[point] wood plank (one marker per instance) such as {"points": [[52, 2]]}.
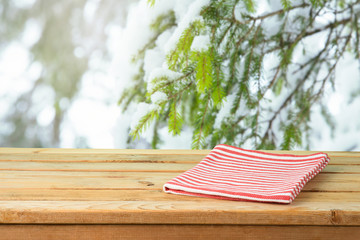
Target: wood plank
{"points": [[140, 155], [155, 151], [141, 180], [121, 180], [103, 151], [132, 166], [83, 183], [44, 194], [81, 174], [102, 157], [149, 232], [332, 186], [104, 166], [122, 173], [348, 169], [63, 194], [178, 212], [341, 198]]}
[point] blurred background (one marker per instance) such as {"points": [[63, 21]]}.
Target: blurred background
{"points": [[59, 87], [64, 64]]}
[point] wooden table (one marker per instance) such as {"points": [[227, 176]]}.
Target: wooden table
{"points": [[117, 194]]}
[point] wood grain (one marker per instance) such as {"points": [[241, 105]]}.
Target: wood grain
{"points": [[129, 166], [139, 180], [123, 188], [179, 212], [64, 194], [169, 232], [139, 155]]}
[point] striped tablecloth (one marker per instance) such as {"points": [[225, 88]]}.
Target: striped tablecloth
{"points": [[233, 173]]}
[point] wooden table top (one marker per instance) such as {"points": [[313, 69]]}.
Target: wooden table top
{"points": [[83, 186]]}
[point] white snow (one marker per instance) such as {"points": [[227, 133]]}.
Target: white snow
{"points": [[335, 102], [152, 60], [356, 8], [191, 15], [141, 110], [158, 97], [159, 73], [163, 72], [271, 26], [345, 113], [200, 43], [275, 5], [182, 141], [224, 110], [239, 9], [163, 38]]}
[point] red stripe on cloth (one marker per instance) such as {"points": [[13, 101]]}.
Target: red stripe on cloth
{"points": [[233, 173]]}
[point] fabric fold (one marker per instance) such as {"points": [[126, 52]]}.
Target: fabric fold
{"points": [[233, 173]]}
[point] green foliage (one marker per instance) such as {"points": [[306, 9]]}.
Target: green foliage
{"points": [[229, 73], [250, 5], [203, 124], [163, 22], [292, 137], [144, 122], [203, 61], [286, 55], [278, 86], [342, 3], [179, 57], [175, 120], [151, 3], [217, 92], [318, 3], [286, 3]]}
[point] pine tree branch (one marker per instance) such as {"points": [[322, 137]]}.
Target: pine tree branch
{"points": [[330, 25], [198, 141], [225, 33], [246, 35], [234, 42], [290, 96], [331, 70], [180, 92], [314, 61], [172, 82], [272, 82], [245, 78], [262, 17]]}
